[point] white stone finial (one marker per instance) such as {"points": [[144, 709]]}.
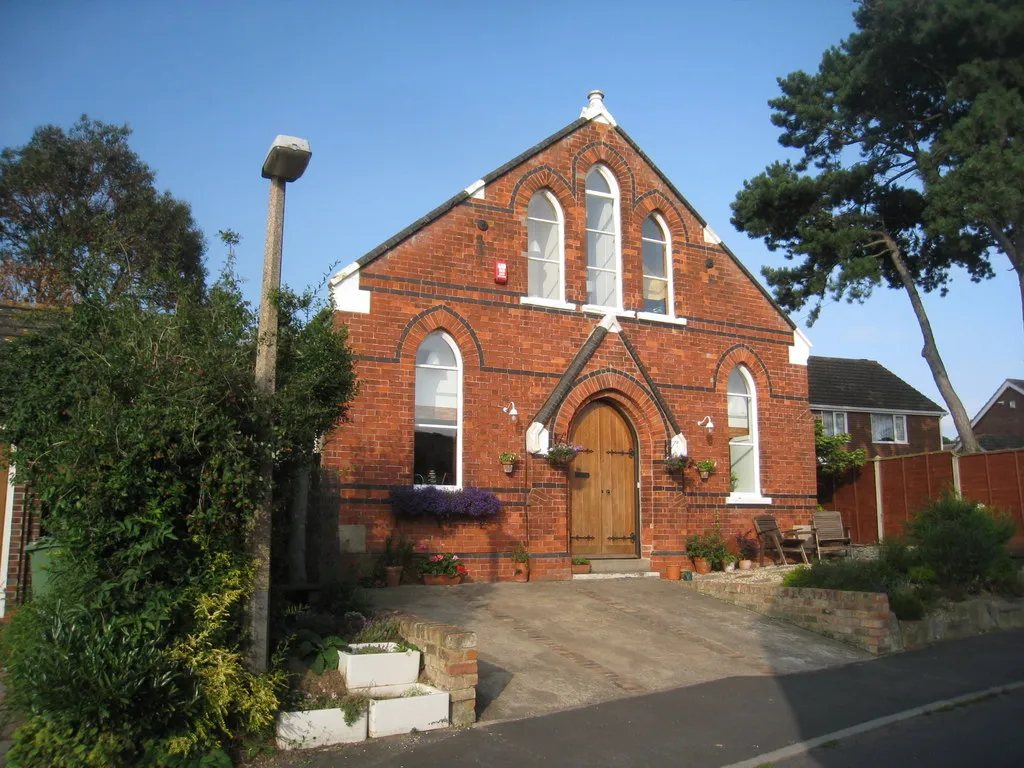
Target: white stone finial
{"points": [[596, 110]]}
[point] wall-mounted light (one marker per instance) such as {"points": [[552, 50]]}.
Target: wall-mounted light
{"points": [[510, 409], [707, 423]]}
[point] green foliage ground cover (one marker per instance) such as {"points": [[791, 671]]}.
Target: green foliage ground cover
{"points": [[952, 547]]}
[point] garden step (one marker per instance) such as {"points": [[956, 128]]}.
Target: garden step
{"points": [[619, 569]]}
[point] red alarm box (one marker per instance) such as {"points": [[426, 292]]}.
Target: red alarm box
{"points": [[501, 272]]}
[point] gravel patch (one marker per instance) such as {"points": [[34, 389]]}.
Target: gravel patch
{"points": [[770, 574]]}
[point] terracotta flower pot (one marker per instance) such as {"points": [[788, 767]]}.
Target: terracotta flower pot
{"points": [[521, 572], [581, 568], [746, 565], [673, 572], [701, 565], [393, 575], [434, 579], [509, 468]]}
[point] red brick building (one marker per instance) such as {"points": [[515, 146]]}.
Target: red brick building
{"points": [[1000, 422], [881, 412], [571, 295]]}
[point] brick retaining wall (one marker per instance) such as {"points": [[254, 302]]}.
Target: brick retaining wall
{"points": [[862, 619], [449, 658]]}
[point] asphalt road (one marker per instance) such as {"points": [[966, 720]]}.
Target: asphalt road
{"points": [[986, 732], [740, 718]]}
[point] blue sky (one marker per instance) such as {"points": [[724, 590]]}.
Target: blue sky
{"points": [[406, 103]]}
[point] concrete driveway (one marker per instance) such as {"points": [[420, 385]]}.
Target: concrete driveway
{"points": [[551, 646]]}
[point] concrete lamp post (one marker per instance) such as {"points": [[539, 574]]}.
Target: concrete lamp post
{"points": [[286, 161]]}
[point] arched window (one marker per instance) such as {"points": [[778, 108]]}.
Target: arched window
{"points": [[437, 456], [544, 247], [657, 258], [604, 284], [744, 461]]}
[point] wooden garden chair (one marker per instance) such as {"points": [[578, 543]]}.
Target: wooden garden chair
{"points": [[783, 542], [830, 535]]}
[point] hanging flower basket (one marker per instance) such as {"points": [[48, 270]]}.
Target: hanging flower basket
{"points": [[562, 454], [676, 463]]}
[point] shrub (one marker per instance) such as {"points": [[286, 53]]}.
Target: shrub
{"points": [[962, 542], [850, 575], [907, 605], [710, 545]]}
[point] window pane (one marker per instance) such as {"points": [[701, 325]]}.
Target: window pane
{"points": [[435, 351], [544, 279], [601, 288], [881, 428], [655, 295], [437, 396], [651, 230], [601, 251], [828, 422], [434, 457], [542, 239], [900, 428], [541, 208], [741, 464], [739, 415], [737, 384], [600, 213], [597, 182], [654, 259], [840, 423]]}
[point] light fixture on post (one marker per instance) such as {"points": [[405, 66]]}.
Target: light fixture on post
{"points": [[286, 161], [510, 409], [707, 423]]}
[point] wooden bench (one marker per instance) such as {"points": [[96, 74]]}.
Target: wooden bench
{"points": [[783, 542]]}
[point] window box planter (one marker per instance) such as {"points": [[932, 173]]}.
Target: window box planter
{"points": [[318, 728], [396, 709], [362, 670], [435, 579]]}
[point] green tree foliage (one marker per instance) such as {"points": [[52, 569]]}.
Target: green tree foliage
{"points": [[80, 215], [834, 458], [908, 162], [141, 434]]}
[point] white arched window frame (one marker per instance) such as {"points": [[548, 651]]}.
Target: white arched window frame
{"points": [[437, 450], [744, 440], [604, 249], [545, 254], [656, 255]]}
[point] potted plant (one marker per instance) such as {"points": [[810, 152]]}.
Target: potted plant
{"points": [[561, 454], [673, 572], [520, 563], [676, 463], [443, 568], [706, 468], [747, 547], [396, 556], [728, 562], [580, 565], [706, 549], [508, 461]]}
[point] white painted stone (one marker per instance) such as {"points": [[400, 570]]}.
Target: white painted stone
{"points": [[801, 349], [477, 190], [392, 711], [537, 438], [345, 292], [318, 728], [710, 236], [596, 110], [362, 670], [678, 445]]}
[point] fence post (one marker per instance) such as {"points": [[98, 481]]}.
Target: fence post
{"points": [[956, 475], [878, 499]]}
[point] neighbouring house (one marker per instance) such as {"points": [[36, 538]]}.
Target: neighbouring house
{"points": [[18, 526], [1000, 423], [571, 295], [879, 410]]}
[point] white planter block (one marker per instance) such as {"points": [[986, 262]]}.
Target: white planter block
{"points": [[362, 670], [318, 728], [423, 712]]}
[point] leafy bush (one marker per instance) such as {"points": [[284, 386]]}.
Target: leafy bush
{"points": [[963, 543], [907, 605], [443, 505], [851, 575], [710, 544]]}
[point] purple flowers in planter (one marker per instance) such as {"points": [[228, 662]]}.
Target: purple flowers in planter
{"points": [[443, 505]]}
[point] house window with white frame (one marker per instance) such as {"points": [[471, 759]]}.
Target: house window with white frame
{"points": [[888, 428], [657, 266], [744, 459], [834, 423], [438, 412], [603, 268], [544, 248]]}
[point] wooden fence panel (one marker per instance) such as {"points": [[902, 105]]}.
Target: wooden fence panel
{"points": [[996, 479]]}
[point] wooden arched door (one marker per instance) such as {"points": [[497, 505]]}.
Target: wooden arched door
{"points": [[602, 484]]}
